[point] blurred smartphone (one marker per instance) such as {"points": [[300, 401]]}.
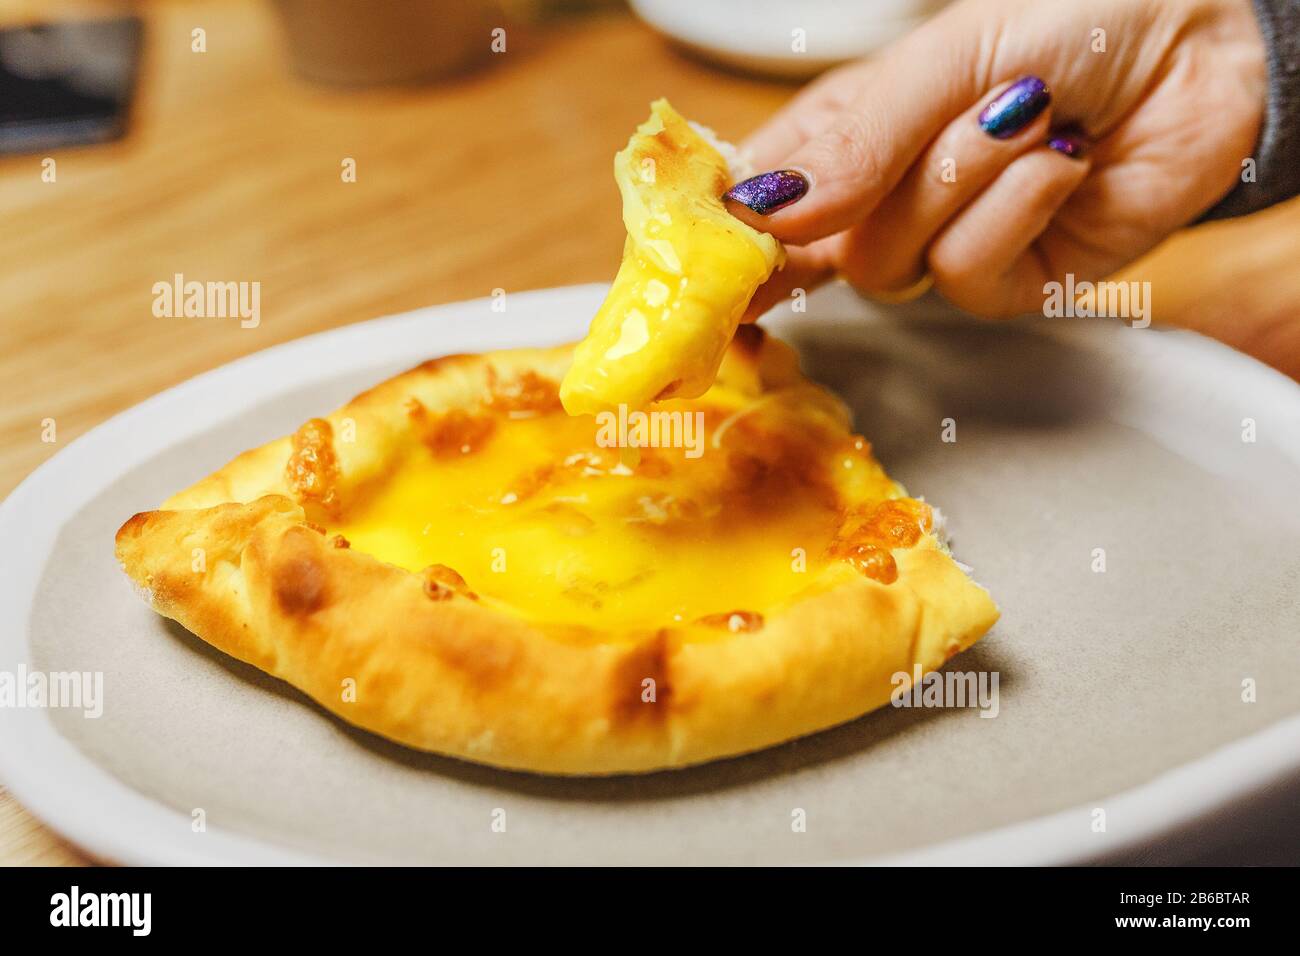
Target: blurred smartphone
{"points": [[67, 83]]}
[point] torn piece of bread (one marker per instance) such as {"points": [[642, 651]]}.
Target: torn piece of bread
{"points": [[688, 272]]}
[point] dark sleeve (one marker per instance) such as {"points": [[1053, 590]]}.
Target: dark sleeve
{"points": [[1277, 154]]}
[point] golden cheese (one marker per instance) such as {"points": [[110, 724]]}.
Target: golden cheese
{"points": [[542, 514], [688, 272]]}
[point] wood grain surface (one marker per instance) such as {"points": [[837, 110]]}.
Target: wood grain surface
{"points": [[501, 179]]}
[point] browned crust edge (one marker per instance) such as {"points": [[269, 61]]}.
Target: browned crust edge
{"points": [[459, 676]]}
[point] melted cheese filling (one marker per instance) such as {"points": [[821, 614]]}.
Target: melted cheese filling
{"points": [[539, 517]]}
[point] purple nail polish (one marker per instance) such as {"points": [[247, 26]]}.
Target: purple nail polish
{"points": [[1015, 107], [768, 192], [1069, 141]]}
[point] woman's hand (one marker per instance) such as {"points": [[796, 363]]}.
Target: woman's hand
{"points": [[914, 162]]}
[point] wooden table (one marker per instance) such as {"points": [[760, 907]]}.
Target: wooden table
{"points": [[501, 180]]}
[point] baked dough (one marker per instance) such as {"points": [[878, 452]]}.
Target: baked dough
{"points": [[452, 562]]}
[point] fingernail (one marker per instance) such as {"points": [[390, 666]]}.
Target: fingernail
{"points": [[1015, 107], [768, 192], [1069, 141]]}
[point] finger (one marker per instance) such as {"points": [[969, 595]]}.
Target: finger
{"points": [[987, 260], [902, 104], [886, 251], [806, 267], [807, 114]]}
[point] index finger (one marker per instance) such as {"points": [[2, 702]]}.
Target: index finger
{"points": [[807, 114], [902, 103]]}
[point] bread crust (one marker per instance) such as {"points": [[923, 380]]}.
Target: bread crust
{"points": [[417, 658]]}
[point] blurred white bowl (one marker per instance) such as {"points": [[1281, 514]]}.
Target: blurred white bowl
{"points": [[763, 36]]}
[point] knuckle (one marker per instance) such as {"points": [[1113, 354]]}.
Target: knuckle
{"points": [[847, 147], [947, 261], [877, 261], [961, 278]]}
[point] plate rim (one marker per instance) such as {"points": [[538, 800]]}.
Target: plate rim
{"points": [[77, 797]]}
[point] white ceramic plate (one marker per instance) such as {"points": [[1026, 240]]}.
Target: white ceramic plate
{"points": [[1121, 690]]}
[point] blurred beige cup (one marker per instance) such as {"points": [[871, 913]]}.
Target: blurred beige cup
{"points": [[362, 42]]}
